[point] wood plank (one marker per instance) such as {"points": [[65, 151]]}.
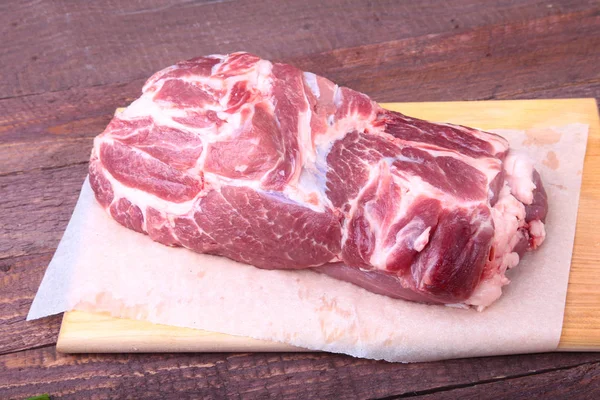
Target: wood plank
{"points": [[52, 46], [36, 207], [581, 382], [84, 332], [55, 129], [263, 375], [72, 113], [19, 280], [490, 62]]}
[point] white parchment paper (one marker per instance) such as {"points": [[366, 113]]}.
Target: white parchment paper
{"points": [[101, 266]]}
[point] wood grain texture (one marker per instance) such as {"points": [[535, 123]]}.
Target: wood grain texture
{"points": [[67, 65], [19, 280], [474, 61], [581, 382], [131, 40], [36, 207], [257, 376], [85, 332], [493, 62]]}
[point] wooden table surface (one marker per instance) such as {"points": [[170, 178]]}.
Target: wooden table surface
{"points": [[65, 67]]}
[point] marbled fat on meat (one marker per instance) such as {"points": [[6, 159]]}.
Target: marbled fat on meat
{"points": [[282, 169]]}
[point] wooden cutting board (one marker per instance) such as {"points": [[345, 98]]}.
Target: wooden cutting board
{"points": [[85, 332]]}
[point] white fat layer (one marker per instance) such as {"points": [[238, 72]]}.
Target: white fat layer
{"points": [[507, 214], [264, 82], [215, 68], [519, 175], [378, 173], [538, 232], [331, 120], [487, 292], [312, 182], [422, 240], [305, 139], [339, 128], [373, 175], [311, 81], [337, 96], [233, 126]]}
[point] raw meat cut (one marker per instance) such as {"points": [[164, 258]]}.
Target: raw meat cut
{"points": [[282, 169]]}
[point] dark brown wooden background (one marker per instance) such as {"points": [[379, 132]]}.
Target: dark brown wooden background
{"points": [[66, 65]]}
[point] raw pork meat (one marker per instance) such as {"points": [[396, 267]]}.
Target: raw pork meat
{"points": [[282, 169]]}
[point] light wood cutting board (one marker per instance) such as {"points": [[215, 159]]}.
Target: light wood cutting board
{"points": [[84, 332]]}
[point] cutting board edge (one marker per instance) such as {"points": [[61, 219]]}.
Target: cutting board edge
{"points": [[576, 335], [151, 338]]}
